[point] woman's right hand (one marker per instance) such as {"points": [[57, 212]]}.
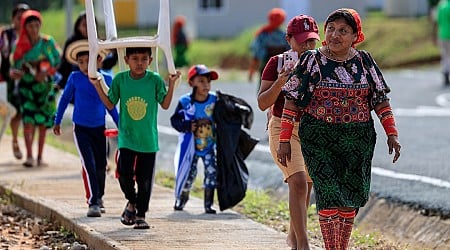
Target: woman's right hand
{"points": [[283, 76], [284, 153]]}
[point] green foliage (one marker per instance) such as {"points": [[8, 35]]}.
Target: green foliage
{"points": [[7, 197], [66, 233]]}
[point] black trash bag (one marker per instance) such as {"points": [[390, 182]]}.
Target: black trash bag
{"points": [[233, 147]]}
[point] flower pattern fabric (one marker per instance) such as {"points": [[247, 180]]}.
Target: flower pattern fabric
{"points": [[337, 91]]}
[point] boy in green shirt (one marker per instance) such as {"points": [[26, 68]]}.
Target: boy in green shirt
{"points": [[442, 29], [139, 91]]}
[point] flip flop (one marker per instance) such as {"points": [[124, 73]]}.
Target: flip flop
{"points": [[141, 224], [128, 218]]}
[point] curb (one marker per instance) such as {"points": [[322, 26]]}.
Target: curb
{"points": [[42, 208]]}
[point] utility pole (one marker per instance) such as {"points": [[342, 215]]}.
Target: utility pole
{"points": [[69, 11]]}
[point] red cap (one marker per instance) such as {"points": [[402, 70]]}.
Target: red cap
{"points": [[202, 70], [302, 28]]}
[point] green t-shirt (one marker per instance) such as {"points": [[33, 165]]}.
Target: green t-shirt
{"points": [[138, 109], [443, 19]]}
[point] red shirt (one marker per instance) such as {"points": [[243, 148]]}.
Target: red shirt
{"points": [[270, 73]]}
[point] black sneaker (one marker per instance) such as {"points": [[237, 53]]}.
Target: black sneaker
{"points": [[94, 211], [102, 207]]}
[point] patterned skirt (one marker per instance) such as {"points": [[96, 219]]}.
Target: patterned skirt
{"points": [[339, 159], [37, 103]]}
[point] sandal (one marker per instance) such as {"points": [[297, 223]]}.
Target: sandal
{"points": [[16, 151], [29, 163], [128, 217], [141, 224], [40, 163]]}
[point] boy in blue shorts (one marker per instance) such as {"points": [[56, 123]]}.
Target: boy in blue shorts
{"points": [[88, 124], [139, 91], [193, 117]]}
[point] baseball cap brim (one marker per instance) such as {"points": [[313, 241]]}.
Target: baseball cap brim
{"points": [[213, 75], [79, 46], [302, 37]]}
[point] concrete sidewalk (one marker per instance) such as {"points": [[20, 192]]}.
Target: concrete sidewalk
{"points": [[56, 192]]}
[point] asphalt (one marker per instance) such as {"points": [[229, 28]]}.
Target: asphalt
{"points": [[56, 192]]}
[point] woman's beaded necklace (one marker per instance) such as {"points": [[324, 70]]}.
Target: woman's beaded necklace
{"points": [[330, 54]]}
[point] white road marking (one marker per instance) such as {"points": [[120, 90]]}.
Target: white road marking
{"points": [[411, 177], [422, 111], [443, 100], [377, 171]]}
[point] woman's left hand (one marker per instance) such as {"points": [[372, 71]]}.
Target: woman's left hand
{"points": [[394, 145]]}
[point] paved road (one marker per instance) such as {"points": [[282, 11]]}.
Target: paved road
{"points": [[422, 106]]}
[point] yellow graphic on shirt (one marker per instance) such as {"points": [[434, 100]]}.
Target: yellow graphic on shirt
{"points": [[136, 107], [209, 109]]}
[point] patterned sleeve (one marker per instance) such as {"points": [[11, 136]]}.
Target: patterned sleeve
{"points": [[300, 85], [378, 86], [55, 52], [52, 52]]}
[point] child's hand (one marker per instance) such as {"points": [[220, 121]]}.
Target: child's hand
{"points": [[193, 126], [173, 78], [57, 130], [95, 81]]}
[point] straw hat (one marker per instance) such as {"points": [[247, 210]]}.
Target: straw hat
{"points": [[79, 46]]}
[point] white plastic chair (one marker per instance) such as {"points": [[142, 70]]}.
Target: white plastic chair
{"points": [[159, 40], [7, 111]]}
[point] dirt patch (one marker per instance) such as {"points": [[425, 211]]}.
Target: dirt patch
{"points": [[412, 226], [19, 229]]}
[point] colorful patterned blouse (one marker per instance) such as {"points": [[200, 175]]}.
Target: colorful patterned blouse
{"points": [[45, 50], [337, 91]]}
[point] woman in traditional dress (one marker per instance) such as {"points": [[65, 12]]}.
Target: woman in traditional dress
{"points": [[34, 58], [337, 87]]}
